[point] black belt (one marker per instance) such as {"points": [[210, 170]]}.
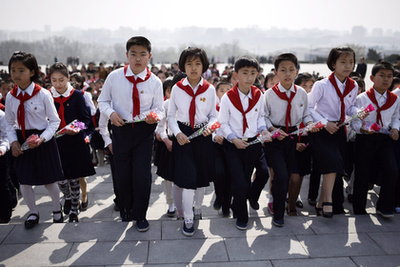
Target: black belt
{"points": [[249, 139]]}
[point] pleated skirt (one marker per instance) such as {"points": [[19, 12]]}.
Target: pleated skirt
{"points": [[38, 166]]}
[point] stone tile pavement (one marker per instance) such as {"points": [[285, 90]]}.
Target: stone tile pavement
{"points": [[102, 239]]}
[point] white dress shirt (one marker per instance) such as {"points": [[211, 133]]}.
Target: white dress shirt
{"points": [[179, 104], [116, 94], [67, 93], [275, 107], [162, 124], [4, 144], [40, 114], [390, 116], [103, 129], [325, 103], [89, 102], [231, 119]]}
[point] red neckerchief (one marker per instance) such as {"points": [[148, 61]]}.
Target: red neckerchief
{"points": [[189, 91], [391, 98], [135, 93], [284, 96], [61, 100], [21, 108], [349, 86], [234, 97], [217, 107]]}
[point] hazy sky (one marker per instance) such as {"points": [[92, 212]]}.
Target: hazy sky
{"points": [[338, 15]]}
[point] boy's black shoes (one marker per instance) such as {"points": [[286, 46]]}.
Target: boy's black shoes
{"points": [[142, 225]]}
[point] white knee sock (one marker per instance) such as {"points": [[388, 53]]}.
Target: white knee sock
{"points": [[54, 193], [188, 197], [29, 197], [169, 195]]}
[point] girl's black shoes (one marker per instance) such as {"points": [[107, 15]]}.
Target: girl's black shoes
{"points": [[61, 220], [324, 213], [73, 217], [30, 223]]}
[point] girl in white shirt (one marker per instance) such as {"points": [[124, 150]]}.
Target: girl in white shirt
{"points": [[192, 106], [30, 110]]}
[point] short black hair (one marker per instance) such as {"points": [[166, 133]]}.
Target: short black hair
{"points": [[270, 75], [179, 76], [166, 84], [28, 60], [222, 83], [59, 67], [246, 61], [138, 40], [335, 54], [360, 82], [79, 79], [191, 53], [303, 77], [383, 65], [286, 56]]}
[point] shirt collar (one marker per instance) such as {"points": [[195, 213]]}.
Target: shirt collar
{"points": [[242, 95], [28, 90], [378, 95], [67, 93], [141, 75], [339, 83], [186, 82], [283, 90]]}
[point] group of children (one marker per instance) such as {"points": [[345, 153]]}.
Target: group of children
{"points": [[257, 131]]}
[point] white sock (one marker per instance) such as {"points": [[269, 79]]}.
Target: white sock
{"points": [[29, 197], [178, 198], [188, 197], [198, 197]]}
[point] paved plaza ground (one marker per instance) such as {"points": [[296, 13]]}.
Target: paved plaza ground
{"points": [[102, 239]]}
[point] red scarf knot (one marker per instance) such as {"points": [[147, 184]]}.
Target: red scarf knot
{"points": [[283, 96], [349, 86], [21, 108], [234, 97], [189, 91], [391, 99], [61, 110], [135, 91]]}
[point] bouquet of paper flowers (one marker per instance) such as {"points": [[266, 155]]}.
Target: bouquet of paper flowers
{"points": [[154, 114], [261, 139], [74, 126], [361, 113], [372, 126], [33, 139], [316, 125], [213, 125]]}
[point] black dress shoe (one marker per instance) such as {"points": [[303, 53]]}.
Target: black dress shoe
{"points": [[84, 205], [61, 220], [254, 204], [324, 213], [299, 204], [217, 205], [67, 206], [30, 223], [73, 217], [126, 216]]}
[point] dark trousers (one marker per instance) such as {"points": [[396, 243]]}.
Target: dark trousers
{"points": [[378, 150], [114, 179], [132, 158], [259, 181], [241, 163], [313, 187], [222, 181], [282, 159]]}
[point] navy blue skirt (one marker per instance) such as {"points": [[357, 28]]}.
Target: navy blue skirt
{"points": [[329, 151], [163, 161], [38, 166], [193, 163], [75, 156]]}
